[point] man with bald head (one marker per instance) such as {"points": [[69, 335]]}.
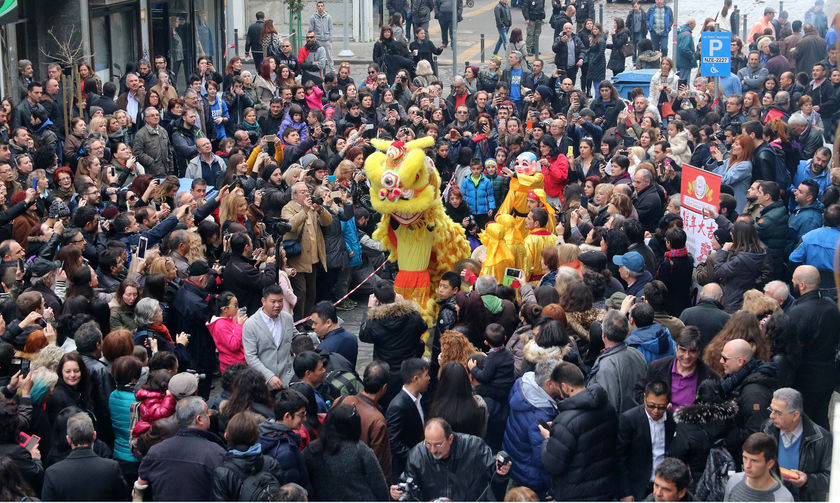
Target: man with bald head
{"points": [[817, 320], [708, 315], [750, 382]]}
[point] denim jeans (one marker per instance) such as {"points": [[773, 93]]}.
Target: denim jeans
{"points": [[660, 42], [502, 42]]}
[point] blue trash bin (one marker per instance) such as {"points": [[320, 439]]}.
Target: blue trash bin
{"points": [[624, 82]]}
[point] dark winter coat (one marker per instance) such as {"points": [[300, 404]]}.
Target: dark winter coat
{"points": [[708, 316], [190, 313], [635, 450], [752, 388], [772, 228], [102, 384], [817, 320], [181, 468], [580, 455], [676, 272], [528, 404], [30, 468], [228, 478], [699, 426], [463, 476], [354, 465], [396, 331], [102, 479], [596, 58], [283, 444], [533, 10], [616, 62], [739, 272], [814, 459], [649, 207], [246, 281]]}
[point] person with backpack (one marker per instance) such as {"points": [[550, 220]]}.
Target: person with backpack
{"points": [[281, 440], [702, 428], [341, 466], [246, 474], [772, 225]]}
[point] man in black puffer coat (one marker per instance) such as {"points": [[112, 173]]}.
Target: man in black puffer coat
{"points": [[750, 383], [580, 451]]}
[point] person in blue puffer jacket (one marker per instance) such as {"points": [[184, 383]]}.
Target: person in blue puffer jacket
{"points": [[652, 339], [532, 398], [126, 371], [478, 193]]}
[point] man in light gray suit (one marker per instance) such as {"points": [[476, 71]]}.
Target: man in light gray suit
{"points": [[267, 339]]}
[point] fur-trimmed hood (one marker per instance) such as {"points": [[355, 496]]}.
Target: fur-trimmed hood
{"points": [[534, 353], [398, 309], [706, 413]]}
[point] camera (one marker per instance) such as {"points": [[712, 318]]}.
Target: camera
{"points": [[277, 226], [406, 487], [324, 129], [317, 200], [201, 377], [502, 458]]}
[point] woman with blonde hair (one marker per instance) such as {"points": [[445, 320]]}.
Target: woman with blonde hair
{"points": [[598, 206], [455, 347], [742, 325], [344, 172], [164, 266], [760, 304], [89, 166], [99, 125]]}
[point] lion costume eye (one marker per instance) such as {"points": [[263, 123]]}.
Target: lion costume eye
{"points": [[390, 179]]}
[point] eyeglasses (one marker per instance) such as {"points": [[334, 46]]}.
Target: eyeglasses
{"points": [[777, 413], [83, 240], [436, 445], [655, 406], [372, 72], [726, 358], [310, 38]]}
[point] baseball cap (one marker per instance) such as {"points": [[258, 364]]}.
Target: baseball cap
{"points": [[594, 259], [632, 261], [183, 385]]}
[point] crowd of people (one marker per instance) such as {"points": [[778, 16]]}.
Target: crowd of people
{"points": [[174, 262]]}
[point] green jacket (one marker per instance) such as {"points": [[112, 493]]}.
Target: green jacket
{"points": [[685, 48], [772, 228]]}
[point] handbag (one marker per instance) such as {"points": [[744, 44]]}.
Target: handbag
{"points": [[627, 49], [292, 247]]}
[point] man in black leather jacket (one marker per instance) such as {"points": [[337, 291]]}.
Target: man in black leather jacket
{"points": [[455, 466], [89, 344]]}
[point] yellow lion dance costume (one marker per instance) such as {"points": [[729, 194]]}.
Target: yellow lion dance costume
{"points": [[415, 229]]}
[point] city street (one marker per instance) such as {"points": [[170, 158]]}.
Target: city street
{"points": [[479, 20]]}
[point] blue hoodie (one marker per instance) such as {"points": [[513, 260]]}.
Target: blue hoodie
{"points": [[653, 341], [528, 404]]}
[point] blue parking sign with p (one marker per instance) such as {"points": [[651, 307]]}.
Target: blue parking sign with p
{"points": [[715, 55]]}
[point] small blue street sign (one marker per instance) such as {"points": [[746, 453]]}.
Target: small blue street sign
{"points": [[715, 55]]}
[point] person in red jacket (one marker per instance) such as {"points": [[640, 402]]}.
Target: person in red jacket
{"points": [[555, 169]]}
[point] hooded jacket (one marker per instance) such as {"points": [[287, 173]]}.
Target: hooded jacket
{"points": [[228, 478], [396, 332], [699, 426], [283, 444], [739, 272], [580, 455], [529, 403], [752, 388], [653, 341]]}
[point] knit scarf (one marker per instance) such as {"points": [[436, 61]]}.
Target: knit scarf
{"points": [[162, 331], [679, 252]]}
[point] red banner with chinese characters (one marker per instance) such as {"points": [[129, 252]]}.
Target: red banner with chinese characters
{"points": [[699, 190]]}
